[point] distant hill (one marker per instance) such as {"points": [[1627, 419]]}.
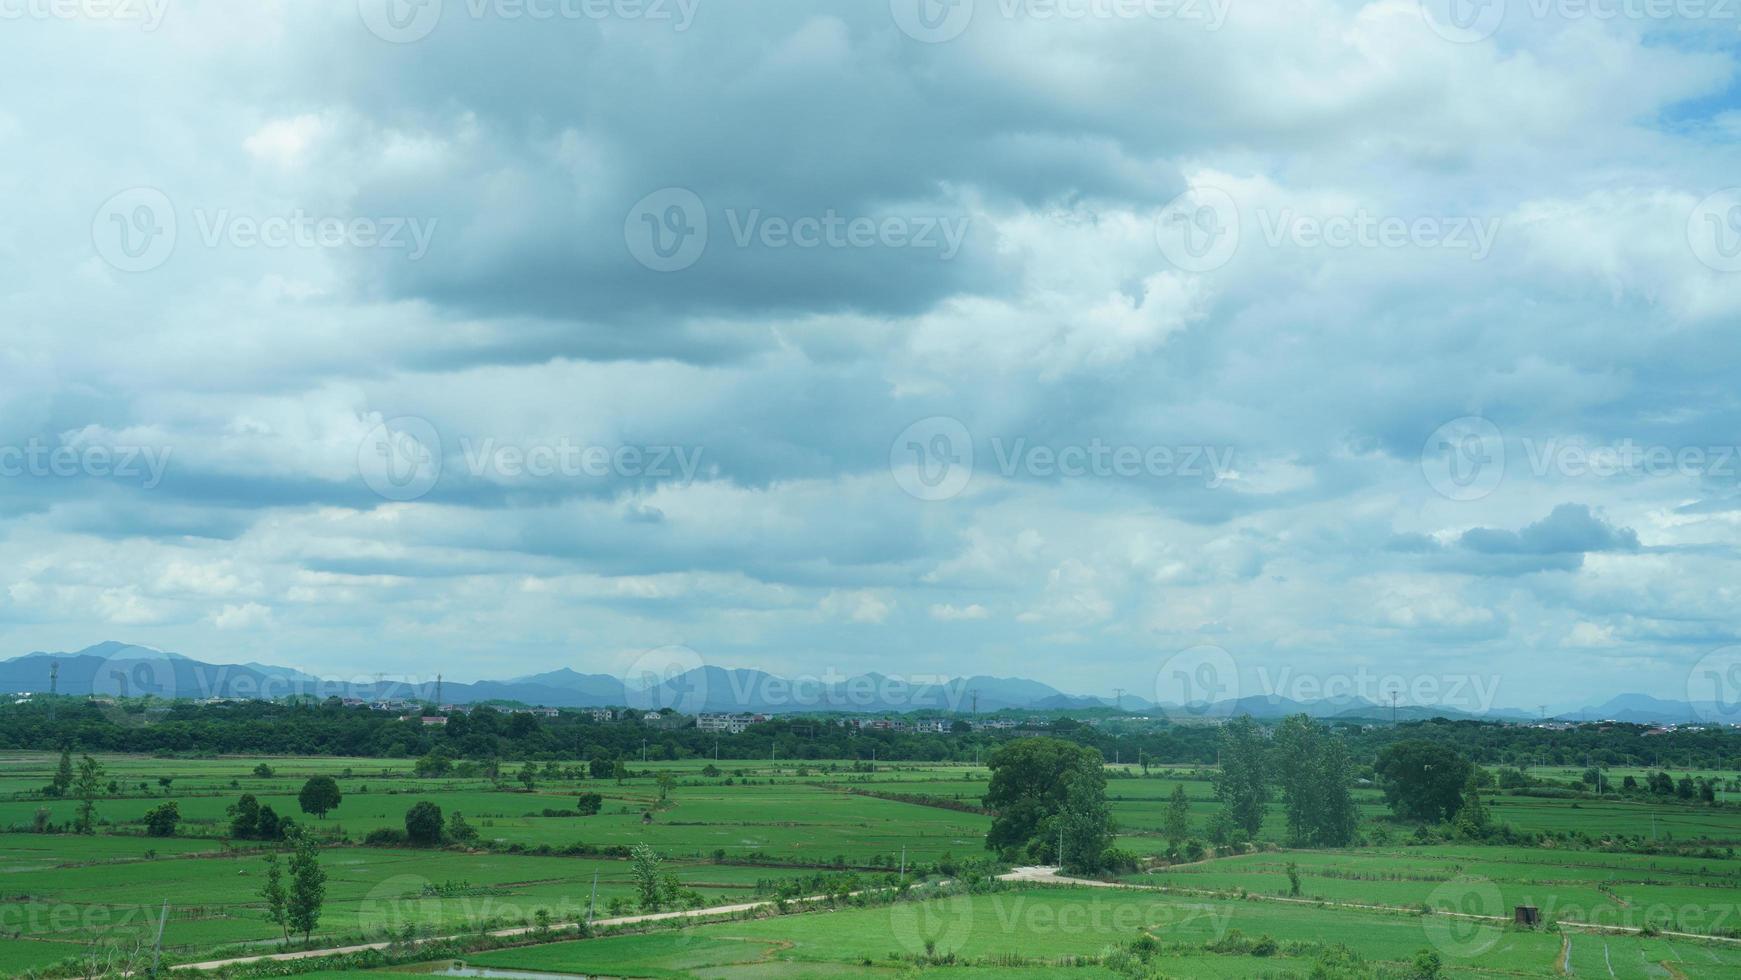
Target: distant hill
{"points": [[118, 669]]}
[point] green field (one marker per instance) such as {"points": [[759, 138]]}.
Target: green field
{"points": [[739, 833]]}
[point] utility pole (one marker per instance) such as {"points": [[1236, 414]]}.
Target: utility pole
{"points": [[903, 861], [1118, 698], [976, 700], [438, 690], [592, 902], [157, 947], [1393, 707], [54, 677]]}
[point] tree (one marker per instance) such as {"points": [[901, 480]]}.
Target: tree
{"points": [[1040, 786], [1085, 821], [619, 772], [86, 786], [1299, 744], [307, 886], [665, 781], [644, 865], [589, 804], [459, 829], [528, 775], [63, 774], [160, 820], [270, 826], [263, 771], [1241, 784], [423, 824], [1339, 819], [433, 764], [319, 796], [244, 817], [599, 768], [1176, 825], [1422, 780], [1472, 816], [277, 903]]}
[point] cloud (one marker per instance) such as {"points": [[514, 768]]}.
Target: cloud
{"points": [[1312, 372]]}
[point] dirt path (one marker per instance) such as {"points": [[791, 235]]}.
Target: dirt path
{"points": [[1041, 875], [623, 920]]}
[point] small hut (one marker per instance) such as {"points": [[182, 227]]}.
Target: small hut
{"points": [[1527, 915]]}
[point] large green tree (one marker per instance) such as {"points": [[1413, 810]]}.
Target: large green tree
{"points": [[1315, 773], [1044, 788], [86, 786], [1423, 780], [1176, 824], [307, 892], [423, 824], [1242, 781], [319, 796]]}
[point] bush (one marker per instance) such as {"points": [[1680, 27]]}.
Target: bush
{"points": [[160, 820], [423, 825]]}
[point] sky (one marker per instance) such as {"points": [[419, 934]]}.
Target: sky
{"points": [[1163, 345]]}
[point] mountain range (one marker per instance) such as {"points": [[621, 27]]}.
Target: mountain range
{"points": [[119, 669]]}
